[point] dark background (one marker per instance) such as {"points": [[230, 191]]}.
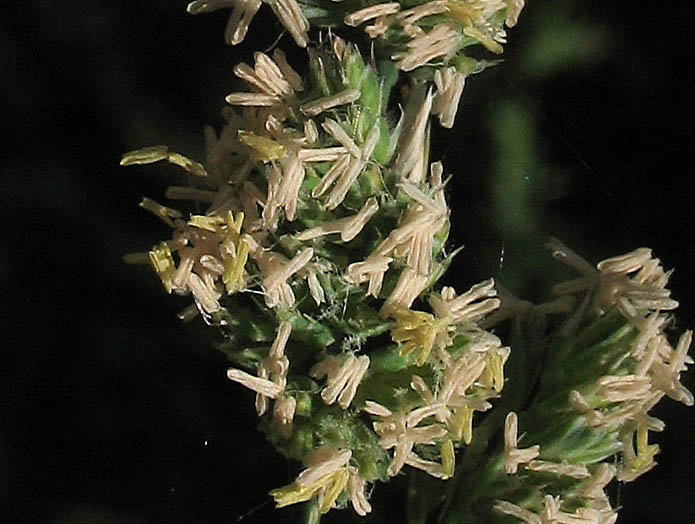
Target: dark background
{"points": [[112, 411]]}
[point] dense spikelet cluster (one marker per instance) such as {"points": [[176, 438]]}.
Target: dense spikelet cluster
{"points": [[611, 364], [321, 205], [318, 255], [433, 36]]}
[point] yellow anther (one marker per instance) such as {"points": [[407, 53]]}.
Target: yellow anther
{"points": [[645, 451], [493, 374], [339, 481], [163, 264], [234, 268], [266, 149], [207, 223], [145, 155], [193, 167], [334, 483], [463, 425], [448, 459], [233, 276], [163, 212], [234, 224], [497, 367], [416, 329], [150, 155], [486, 40]]}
